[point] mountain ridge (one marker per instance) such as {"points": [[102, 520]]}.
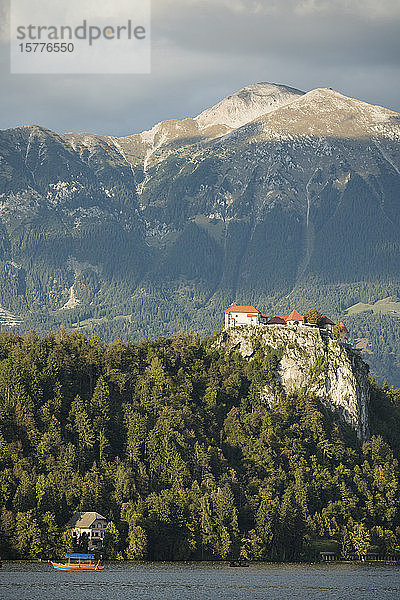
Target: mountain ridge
{"points": [[201, 127], [172, 224]]}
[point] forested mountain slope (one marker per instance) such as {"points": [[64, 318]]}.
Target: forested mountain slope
{"points": [[272, 197], [173, 441]]}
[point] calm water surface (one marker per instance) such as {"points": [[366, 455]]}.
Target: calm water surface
{"points": [[201, 581]]}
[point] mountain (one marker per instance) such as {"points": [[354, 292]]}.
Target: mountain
{"points": [[247, 104], [235, 445], [273, 197]]}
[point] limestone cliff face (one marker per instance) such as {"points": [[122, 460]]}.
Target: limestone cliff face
{"points": [[313, 361]]}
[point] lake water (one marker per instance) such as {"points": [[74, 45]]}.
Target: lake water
{"points": [[201, 581]]}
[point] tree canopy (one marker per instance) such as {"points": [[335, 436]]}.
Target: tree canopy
{"points": [[171, 441]]}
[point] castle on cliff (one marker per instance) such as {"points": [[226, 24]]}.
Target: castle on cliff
{"points": [[237, 315]]}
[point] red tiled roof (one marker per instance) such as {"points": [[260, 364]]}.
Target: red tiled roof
{"points": [[294, 316], [343, 327], [241, 309], [282, 319]]}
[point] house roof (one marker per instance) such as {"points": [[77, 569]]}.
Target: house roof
{"points": [[326, 320], [277, 320], [84, 519], [294, 316], [282, 319], [242, 309], [343, 327]]}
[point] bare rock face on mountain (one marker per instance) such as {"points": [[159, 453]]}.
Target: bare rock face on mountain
{"points": [[230, 113], [247, 104], [273, 196], [311, 363]]}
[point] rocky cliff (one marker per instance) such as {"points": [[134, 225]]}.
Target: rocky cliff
{"points": [[311, 361]]}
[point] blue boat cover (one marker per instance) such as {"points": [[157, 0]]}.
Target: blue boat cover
{"points": [[81, 556]]}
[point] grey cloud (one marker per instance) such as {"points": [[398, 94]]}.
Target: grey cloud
{"points": [[364, 9], [204, 50], [341, 38]]}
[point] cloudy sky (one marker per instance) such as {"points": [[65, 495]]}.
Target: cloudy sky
{"points": [[203, 50]]}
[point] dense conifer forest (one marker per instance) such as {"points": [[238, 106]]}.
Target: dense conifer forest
{"points": [[169, 440]]}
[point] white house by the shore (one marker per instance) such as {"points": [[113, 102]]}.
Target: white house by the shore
{"points": [[92, 524]]}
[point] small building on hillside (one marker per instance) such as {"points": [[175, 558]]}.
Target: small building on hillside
{"points": [[244, 315], [325, 323], [237, 315], [294, 318], [250, 315], [90, 523]]}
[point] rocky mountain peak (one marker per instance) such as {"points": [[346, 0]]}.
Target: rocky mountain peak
{"points": [[324, 112], [247, 104]]}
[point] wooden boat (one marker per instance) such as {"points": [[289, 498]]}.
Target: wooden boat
{"points": [[79, 562]]}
